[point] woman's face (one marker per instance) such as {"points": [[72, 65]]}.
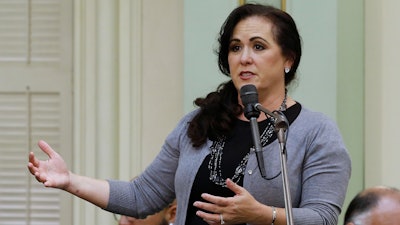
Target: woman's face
{"points": [[255, 58]]}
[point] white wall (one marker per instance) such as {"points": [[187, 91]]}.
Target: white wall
{"points": [[317, 23], [202, 22], [382, 107]]}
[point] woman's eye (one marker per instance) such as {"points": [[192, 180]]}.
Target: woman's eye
{"points": [[235, 48], [259, 47]]}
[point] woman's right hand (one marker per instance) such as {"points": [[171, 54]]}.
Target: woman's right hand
{"points": [[52, 172]]}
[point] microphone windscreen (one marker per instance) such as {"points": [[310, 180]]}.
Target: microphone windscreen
{"points": [[249, 97]]}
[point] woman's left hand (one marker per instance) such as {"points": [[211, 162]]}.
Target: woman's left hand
{"points": [[241, 208]]}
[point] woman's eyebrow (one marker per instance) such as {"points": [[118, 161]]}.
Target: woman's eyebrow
{"points": [[251, 39]]}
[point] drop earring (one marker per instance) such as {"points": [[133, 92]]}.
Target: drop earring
{"points": [[287, 69]]}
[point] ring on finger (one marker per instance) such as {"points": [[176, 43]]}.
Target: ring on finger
{"points": [[221, 219]]}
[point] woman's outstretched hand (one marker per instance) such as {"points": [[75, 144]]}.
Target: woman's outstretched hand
{"points": [[52, 172]]}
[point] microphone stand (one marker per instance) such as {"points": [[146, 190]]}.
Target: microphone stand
{"points": [[257, 145], [252, 115], [281, 127]]}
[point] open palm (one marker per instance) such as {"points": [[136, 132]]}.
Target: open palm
{"points": [[52, 172]]}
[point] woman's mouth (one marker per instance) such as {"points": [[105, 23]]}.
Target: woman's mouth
{"points": [[246, 75]]}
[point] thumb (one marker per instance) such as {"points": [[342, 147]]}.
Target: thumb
{"points": [[47, 149]]}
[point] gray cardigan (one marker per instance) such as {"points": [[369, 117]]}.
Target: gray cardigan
{"points": [[318, 167]]}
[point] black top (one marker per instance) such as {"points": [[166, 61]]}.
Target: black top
{"points": [[236, 147]]}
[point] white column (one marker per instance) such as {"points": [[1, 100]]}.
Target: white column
{"points": [[85, 41], [130, 88], [95, 99], [382, 108]]}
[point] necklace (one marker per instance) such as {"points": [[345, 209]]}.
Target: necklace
{"points": [[214, 165]]}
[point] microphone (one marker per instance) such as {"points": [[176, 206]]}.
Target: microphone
{"points": [[249, 96]]}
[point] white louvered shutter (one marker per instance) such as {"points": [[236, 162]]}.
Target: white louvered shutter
{"points": [[35, 103]]}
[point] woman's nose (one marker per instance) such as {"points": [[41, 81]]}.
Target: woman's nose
{"points": [[246, 57]]}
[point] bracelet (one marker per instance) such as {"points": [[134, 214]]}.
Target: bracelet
{"points": [[273, 215]]}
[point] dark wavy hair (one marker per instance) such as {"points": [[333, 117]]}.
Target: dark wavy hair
{"points": [[219, 109]]}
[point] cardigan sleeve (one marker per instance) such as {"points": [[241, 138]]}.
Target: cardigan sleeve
{"points": [[326, 172]]}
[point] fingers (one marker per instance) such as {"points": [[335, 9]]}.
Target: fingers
{"points": [[234, 187], [221, 201], [33, 163], [33, 167], [214, 203], [32, 159], [210, 206], [40, 177], [35, 172], [230, 209], [208, 217], [211, 209]]}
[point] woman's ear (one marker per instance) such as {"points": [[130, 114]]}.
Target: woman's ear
{"points": [[288, 63], [170, 215]]}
